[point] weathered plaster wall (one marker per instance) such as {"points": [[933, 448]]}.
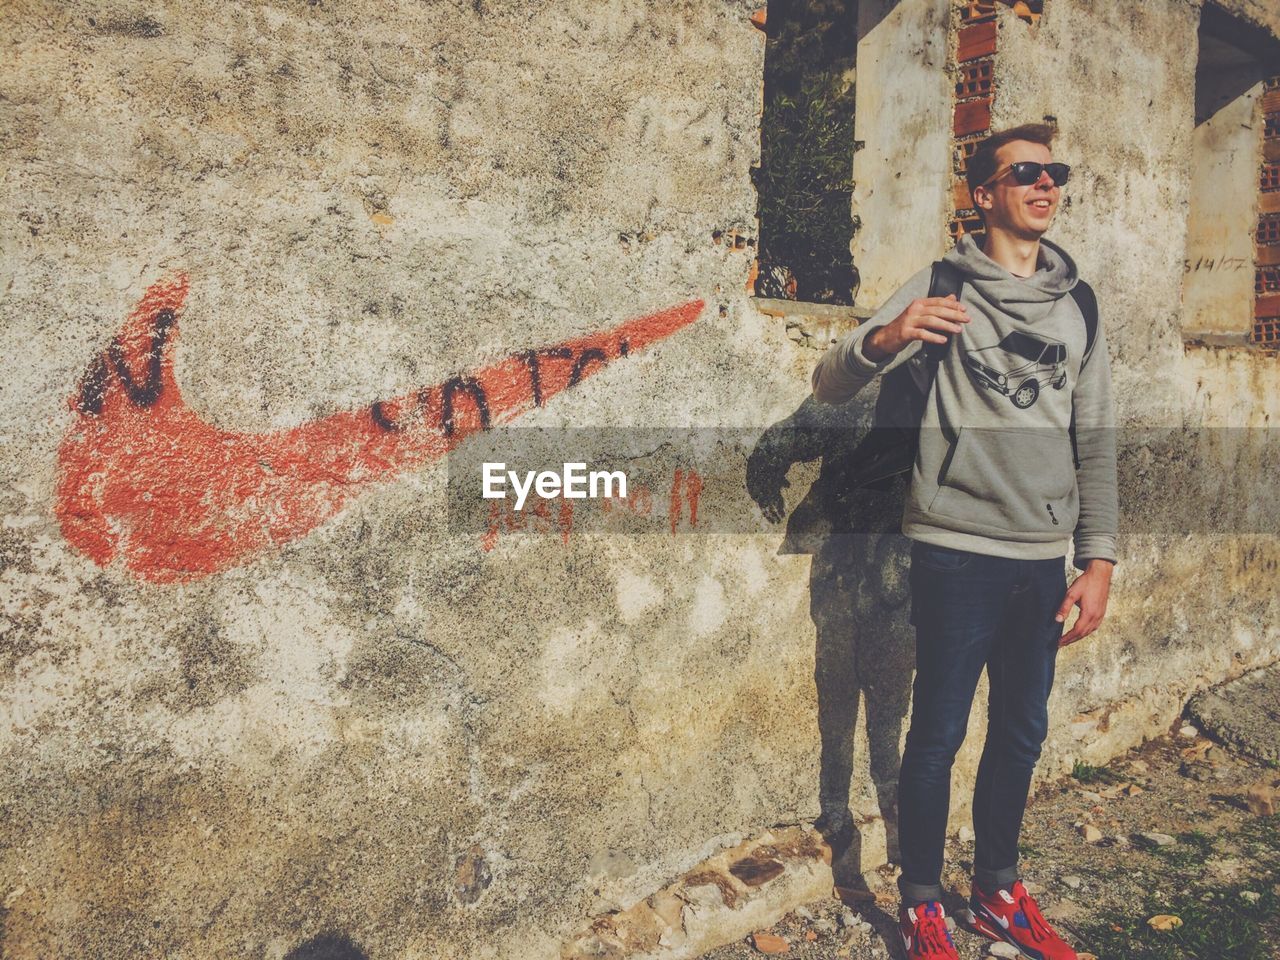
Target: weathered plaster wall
{"points": [[348, 717], [900, 174], [374, 727], [1217, 292]]}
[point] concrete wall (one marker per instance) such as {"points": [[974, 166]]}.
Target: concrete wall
{"points": [[255, 690], [286, 698], [903, 112], [1217, 292]]}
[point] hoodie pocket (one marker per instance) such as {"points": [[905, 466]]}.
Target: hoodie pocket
{"points": [[1012, 480]]}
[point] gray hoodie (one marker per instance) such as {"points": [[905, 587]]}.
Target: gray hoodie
{"points": [[995, 472]]}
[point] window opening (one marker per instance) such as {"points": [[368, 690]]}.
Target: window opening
{"points": [[804, 182]]}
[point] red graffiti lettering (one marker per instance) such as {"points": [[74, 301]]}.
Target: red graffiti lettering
{"points": [[505, 518], [685, 486], [640, 500]]}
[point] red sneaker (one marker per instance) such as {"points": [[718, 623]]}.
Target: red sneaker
{"points": [[1014, 917], [924, 932]]}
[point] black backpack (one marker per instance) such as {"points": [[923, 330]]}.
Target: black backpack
{"points": [[889, 448]]}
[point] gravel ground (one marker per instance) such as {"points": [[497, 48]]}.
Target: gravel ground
{"points": [[1214, 864]]}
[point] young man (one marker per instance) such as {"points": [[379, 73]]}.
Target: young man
{"points": [[998, 490]]}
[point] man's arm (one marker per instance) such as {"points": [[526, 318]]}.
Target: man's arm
{"points": [[1095, 533], [847, 366]]}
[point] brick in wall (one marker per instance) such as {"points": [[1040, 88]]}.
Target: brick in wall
{"points": [[976, 40]]}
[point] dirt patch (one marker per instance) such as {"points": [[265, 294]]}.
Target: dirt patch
{"points": [[1175, 835]]}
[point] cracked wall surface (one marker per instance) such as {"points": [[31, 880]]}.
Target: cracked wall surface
{"points": [[358, 722]]}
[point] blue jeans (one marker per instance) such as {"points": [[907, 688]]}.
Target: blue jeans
{"points": [[973, 611]]}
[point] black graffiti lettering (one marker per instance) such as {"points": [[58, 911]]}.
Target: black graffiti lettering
{"points": [[421, 401], [530, 358], [469, 385], [148, 392], [93, 388], [384, 423], [533, 359], [588, 356]]}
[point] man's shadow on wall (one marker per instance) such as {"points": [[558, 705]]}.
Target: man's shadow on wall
{"points": [[859, 600]]}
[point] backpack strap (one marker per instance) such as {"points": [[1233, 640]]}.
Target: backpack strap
{"points": [[889, 448], [1087, 301], [898, 383], [945, 280]]}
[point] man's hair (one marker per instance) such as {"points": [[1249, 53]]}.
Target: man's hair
{"points": [[983, 162]]}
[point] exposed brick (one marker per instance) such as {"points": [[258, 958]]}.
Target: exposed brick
{"points": [[1266, 280], [1264, 307], [975, 11], [755, 871], [1028, 11], [963, 225], [1270, 177], [964, 150], [1268, 230], [976, 40], [960, 198], [975, 80], [1266, 331], [972, 116], [766, 942], [1267, 257], [1269, 202], [1271, 151], [1271, 126], [1271, 101]]}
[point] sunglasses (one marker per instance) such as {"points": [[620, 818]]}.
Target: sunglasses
{"points": [[1027, 172]]}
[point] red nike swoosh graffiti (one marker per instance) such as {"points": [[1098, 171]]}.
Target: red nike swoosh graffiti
{"points": [[143, 479]]}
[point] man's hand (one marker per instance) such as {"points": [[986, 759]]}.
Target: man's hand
{"points": [[1089, 591], [929, 319]]}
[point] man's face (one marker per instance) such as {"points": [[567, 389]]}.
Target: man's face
{"points": [[1026, 212]]}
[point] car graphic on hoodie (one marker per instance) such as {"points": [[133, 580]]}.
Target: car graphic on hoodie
{"points": [[1019, 365]]}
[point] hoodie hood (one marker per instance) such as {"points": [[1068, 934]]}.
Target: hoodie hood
{"points": [[1028, 298]]}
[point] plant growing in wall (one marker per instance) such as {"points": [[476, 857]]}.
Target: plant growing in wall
{"points": [[804, 181]]}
